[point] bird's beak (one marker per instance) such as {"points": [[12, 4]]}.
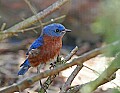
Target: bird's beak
{"points": [[67, 30]]}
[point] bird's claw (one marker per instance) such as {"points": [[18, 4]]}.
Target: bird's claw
{"points": [[53, 65]]}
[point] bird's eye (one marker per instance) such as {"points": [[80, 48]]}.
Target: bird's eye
{"points": [[57, 30]]}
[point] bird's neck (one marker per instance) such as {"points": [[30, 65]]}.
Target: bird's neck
{"points": [[52, 38]]}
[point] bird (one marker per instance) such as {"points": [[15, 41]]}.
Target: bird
{"points": [[45, 48]]}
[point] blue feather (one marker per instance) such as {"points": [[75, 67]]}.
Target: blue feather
{"points": [[37, 43], [25, 66]]}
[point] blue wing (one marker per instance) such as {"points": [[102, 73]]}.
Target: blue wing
{"points": [[25, 66], [37, 43]]}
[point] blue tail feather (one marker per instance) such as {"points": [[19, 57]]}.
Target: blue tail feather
{"points": [[25, 66]]}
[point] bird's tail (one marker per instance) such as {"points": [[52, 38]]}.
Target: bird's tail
{"points": [[25, 66]]}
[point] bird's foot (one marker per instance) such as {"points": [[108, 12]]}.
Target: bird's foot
{"points": [[52, 65]]}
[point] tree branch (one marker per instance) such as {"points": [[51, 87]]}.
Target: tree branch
{"points": [[35, 27], [77, 61], [102, 79], [67, 84], [59, 61], [29, 21], [33, 10], [29, 81]]}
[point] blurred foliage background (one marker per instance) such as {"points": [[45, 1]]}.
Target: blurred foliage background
{"points": [[93, 24], [108, 24]]}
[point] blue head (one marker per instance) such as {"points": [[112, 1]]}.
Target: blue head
{"points": [[55, 29]]}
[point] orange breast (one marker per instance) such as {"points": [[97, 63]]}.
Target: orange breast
{"points": [[48, 50]]}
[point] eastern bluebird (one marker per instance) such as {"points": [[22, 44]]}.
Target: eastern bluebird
{"points": [[46, 47]]}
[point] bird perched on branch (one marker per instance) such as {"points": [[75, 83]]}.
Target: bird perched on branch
{"points": [[46, 47]]}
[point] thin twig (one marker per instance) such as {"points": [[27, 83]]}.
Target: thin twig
{"points": [[105, 78], [35, 27], [29, 21], [92, 69], [50, 79], [68, 57], [77, 61], [3, 27], [29, 81], [67, 84], [102, 79], [34, 12]]}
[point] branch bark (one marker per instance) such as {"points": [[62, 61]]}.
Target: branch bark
{"points": [[67, 84], [105, 77], [50, 79], [77, 61], [29, 81], [31, 20]]}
